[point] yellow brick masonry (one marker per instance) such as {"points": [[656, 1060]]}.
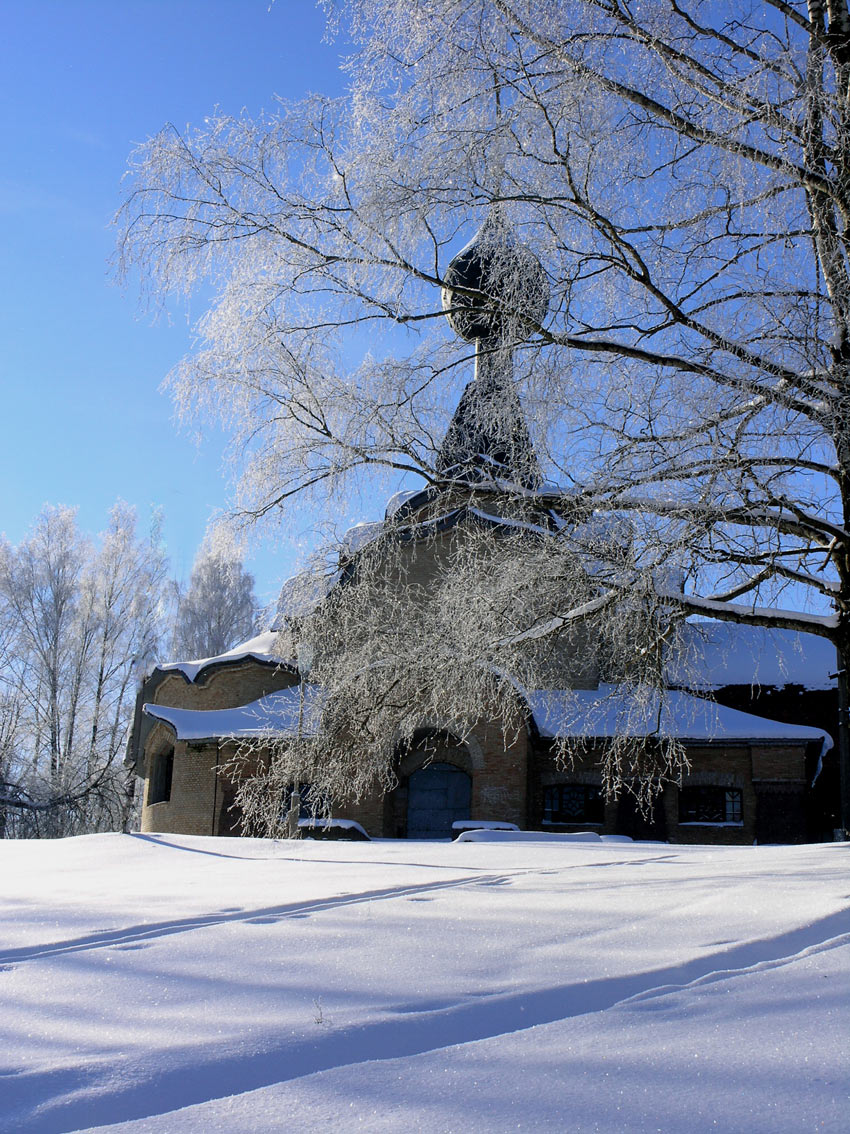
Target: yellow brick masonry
{"points": [[197, 793], [500, 770]]}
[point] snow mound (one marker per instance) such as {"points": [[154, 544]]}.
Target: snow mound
{"points": [[333, 829], [517, 836], [483, 825]]}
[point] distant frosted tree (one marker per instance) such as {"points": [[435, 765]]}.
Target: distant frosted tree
{"points": [[79, 622], [218, 609]]}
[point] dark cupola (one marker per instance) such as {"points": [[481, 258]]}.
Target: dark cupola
{"points": [[495, 289], [495, 293]]}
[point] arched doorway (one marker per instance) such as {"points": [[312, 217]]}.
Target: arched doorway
{"points": [[437, 796]]}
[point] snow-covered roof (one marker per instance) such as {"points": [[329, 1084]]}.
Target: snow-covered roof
{"points": [[715, 654], [399, 499], [302, 593], [276, 714], [262, 648], [611, 711], [361, 534], [605, 712]]}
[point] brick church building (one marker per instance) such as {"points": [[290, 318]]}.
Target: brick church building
{"points": [[755, 723]]}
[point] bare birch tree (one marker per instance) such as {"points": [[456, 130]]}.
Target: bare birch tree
{"points": [[681, 170], [218, 609], [78, 625]]}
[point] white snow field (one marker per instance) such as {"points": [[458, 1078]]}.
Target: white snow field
{"points": [[177, 985]]}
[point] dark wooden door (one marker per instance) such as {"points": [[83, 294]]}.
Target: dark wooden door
{"points": [[437, 796]]}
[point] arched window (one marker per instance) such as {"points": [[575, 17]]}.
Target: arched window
{"points": [[159, 789]]}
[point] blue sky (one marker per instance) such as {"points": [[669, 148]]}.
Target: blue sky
{"points": [[81, 81]]}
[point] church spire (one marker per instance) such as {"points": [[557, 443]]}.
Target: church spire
{"points": [[495, 292]]}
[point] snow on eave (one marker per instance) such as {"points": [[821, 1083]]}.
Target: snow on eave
{"points": [[260, 649], [745, 615], [426, 529], [410, 500], [402, 499], [612, 711], [301, 594], [275, 715], [508, 522], [712, 655], [361, 535]]}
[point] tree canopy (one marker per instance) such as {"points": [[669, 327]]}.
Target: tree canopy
{"points": [[681, 171]]}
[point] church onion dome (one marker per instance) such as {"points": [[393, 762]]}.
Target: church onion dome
{"points": [[514, 292]]}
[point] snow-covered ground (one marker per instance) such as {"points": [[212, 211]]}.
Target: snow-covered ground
{"points": [[174, 984]]}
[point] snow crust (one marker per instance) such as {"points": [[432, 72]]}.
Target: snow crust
{"points": [[611, 711], [276, 714], [262, 647], [246, 986]]}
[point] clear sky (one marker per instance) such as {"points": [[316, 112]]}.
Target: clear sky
{"points": [[81, 81]]}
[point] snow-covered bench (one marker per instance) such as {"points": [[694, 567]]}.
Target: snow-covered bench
{"points": [[517, 836], [332, 829], [461, 825]]}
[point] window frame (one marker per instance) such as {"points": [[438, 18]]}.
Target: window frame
{"points": [[695, 813], [593, 808], [162, 777]]}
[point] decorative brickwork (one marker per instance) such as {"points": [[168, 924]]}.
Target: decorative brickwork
{"points": [[222, 688]]}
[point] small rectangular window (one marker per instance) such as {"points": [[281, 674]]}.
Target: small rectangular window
{"points": [[573, 803], [710, 806]]}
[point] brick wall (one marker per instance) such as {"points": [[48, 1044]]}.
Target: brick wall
{"points": [[419, 564], [222, 688], [191, 810], [497, 765], [500, 785], [768, 777], [195, 804]]}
